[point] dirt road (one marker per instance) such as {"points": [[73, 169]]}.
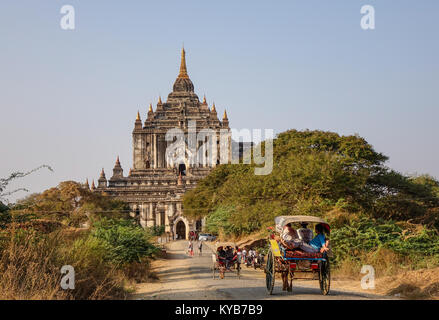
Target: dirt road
{"points": [[190, 278]]}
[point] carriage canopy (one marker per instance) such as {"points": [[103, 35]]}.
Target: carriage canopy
{"points": [[225, 244], [282, 221]]}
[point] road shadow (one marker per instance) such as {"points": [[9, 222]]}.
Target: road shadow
{"points": [[216, 289]]}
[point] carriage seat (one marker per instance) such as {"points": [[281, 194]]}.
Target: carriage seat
{"points": [[297, 253], [302, 254]]}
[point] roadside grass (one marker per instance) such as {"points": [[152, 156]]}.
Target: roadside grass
{"points": [[31, 260]]}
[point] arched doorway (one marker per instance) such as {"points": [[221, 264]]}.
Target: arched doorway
{"points": [[182, 169], [181, 230]]}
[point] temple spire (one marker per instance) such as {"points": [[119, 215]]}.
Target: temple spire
{"points": [[117, 170], [225, 122], [102, 181], [204, 100], [150, 112], [138, 122], [183, 71]]}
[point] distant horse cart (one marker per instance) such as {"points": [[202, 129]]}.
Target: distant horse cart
{"points": [[296, 264], [226, 259]]}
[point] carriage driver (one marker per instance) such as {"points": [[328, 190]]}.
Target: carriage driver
{"points": [[289, 235]]}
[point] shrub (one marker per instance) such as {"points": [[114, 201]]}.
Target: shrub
{"points": [[105, 259], [156, 230], [30, 264], [367, 240], [5, 218], [218, 221], [125, 242]]}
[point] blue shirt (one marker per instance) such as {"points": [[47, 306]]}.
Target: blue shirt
{"points": [[318, 241]]}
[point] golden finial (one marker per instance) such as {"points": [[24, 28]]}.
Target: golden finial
{"points": [[183, 71], [93, 185], [204, 100], [150, 107], [138, 115], [213, 107], [117, 162], [160, 100], [225, 115]]}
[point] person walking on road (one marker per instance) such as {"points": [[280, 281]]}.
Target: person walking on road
{"points": [[200, 247], [191, 248]]}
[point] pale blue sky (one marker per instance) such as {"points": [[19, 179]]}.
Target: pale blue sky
{"points": [[69, 98]]}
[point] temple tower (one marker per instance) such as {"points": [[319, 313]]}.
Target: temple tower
{"points": [[157, 182]]}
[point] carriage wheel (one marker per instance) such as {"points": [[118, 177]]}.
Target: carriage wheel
{"points": [[325, 277], [270, 273]]}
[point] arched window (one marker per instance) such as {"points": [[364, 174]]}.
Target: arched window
{"points": [[198, 225]]}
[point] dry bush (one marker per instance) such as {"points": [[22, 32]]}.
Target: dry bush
{"points": [[30, 265], [139, 271], [40, 225], [349, 268], [95, 278], [385, 262], [415, 284], [338, 217], [28, 271]]}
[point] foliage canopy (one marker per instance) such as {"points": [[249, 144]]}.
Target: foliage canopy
{"points": [[313, 173]]}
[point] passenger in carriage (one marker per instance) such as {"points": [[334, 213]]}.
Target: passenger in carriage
{"points": [[229, 256], [244, 254], [221, 255], [290, 237], [319, 243], [304, 233], [238, 253]]}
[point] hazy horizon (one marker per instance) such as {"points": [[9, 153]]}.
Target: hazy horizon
{"points": [[69, 98]]}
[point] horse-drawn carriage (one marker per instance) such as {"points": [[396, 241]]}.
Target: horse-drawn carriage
{"points": [[224, 260], [294, 263]]}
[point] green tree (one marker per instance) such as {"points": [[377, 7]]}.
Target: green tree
{"points": [[313, 173], [70, 202]]}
